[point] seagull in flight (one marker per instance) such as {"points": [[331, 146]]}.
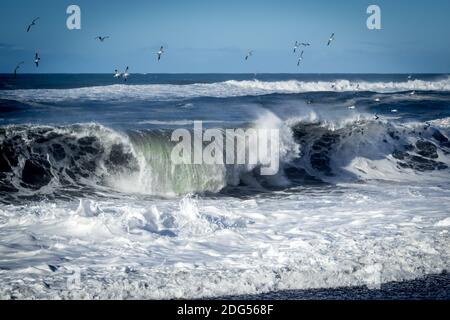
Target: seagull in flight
{"points": [[249, 54], [300, 59], [37, 59], [160, 52], [305, 44], [126, 74], [32, 24], [117, 74], [296, 46], [101, 38], [331, 39], [17, 68]]}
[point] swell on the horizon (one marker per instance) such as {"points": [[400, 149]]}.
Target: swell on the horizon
{"points": [[230, 88]]}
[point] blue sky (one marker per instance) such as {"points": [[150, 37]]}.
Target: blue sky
{"points": [[209, 36]]}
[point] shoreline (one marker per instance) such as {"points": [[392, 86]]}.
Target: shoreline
{"points": [[430, 287]]}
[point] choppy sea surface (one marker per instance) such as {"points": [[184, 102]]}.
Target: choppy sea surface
{"points": [[91, 205]]}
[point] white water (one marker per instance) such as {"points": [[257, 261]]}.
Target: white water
{"points": [[363, 151], [225, 89], [188, 248], [135, 246]]}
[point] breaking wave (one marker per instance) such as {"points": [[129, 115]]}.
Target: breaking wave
{"points": [[373, 150], [231, 88], [66, 161]]}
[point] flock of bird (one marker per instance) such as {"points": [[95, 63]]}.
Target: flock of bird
{"points": [[249, 54], [37, 59], [160, 53]]}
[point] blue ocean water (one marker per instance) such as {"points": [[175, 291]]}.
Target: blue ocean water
{"points": [[361, 198], [224, 97]]}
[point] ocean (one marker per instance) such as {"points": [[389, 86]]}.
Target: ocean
{"points": [[91, 205]]}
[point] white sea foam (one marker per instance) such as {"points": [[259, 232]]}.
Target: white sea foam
{"points": [[363, 149], [443, 123], [231, 88], [190, 248]]}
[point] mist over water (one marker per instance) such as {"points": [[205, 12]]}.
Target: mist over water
{"points": [[86, 182]]}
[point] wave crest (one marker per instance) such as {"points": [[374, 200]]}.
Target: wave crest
{"points": [[231, 88], [63, 162]]}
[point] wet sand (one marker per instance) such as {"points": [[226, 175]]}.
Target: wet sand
{"points": [[431, 287]]}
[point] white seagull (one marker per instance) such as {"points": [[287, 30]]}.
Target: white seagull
{"points": [[249, 54], [300, 59], [331, 39], [126, 74], [160, 52], [32, 24], [352, 107], [37, 59], [295, 46], [117, 74], [394, 110]]}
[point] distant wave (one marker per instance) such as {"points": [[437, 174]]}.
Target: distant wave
{"points": [[231, 88], [177, 122]]}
